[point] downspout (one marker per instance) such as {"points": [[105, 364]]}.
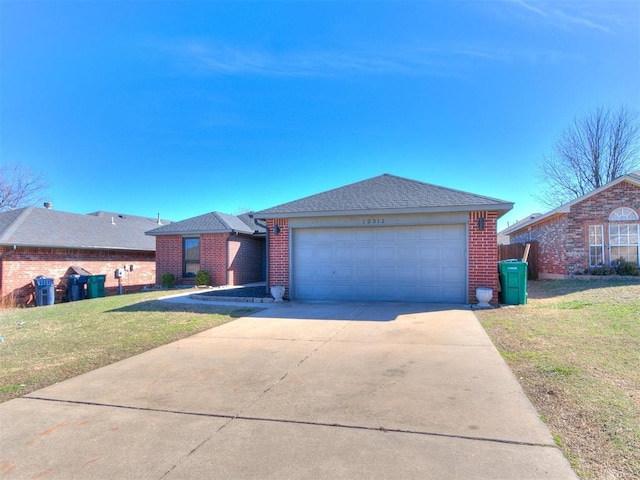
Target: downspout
{"points": [[266, 260], [233, 234]]}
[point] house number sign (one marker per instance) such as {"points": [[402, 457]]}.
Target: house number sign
{"points": [[373, 221]]}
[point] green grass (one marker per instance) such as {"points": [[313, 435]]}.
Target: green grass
{"points": [[576, 349], [46, 345]]}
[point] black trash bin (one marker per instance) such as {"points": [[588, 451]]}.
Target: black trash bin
{"points": [[45, 291], [76, 287]]}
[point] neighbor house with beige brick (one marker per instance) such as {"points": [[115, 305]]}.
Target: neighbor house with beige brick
{"points": [[596, 229]]}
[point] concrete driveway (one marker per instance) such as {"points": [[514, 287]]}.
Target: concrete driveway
{"points": [[299, 390]]}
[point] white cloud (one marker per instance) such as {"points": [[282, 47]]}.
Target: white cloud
{"points": [[439, 60], [573, 14]]}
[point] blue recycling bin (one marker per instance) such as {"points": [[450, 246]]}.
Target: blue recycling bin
{"points": [[45, 291], [76, 287]]}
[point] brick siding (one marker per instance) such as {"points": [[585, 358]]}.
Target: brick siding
{"points": [[279, 253], [552, 252], [564, 240], [483, 254], [18, 269], [245, 257], [246, 260]]}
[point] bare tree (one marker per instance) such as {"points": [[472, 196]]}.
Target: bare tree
{"points": [[591, 152], [19, 186]]}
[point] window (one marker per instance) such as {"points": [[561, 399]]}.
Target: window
{"points": [[596, 245], [191, 256], [623, 214], [623, 242]]}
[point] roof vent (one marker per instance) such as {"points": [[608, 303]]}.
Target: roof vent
{"points": [[113, 222], [159, 222], [48, 205]]}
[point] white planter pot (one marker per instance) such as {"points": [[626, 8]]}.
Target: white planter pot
{"points": [[277, 292], [484, 296]]}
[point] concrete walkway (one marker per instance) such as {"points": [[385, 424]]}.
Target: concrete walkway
{"points": [[299, 390]]}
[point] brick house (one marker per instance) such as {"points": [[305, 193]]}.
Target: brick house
{"points": [[385, 239], [42, 241], [593, 230], [230, 248]]}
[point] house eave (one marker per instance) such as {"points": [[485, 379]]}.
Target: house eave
{"points": [[542, 218], [184, 233], [76, 247], [500, 208]]}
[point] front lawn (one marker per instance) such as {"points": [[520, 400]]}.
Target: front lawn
{"points": [[575, 348], [45, 345]]}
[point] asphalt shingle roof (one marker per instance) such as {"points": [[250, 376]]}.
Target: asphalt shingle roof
{"points": [[385, 193], [41, 227], [213, 222]]}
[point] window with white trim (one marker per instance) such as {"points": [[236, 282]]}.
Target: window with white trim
{"points": [[623, 214], [596, 245], [623, 242]]}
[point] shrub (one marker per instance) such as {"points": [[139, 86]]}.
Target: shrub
{"points": [[626, 268], [600, 270], [203, 278], [167, 280]]}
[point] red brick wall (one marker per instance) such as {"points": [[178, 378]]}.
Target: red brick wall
{"points": [[246, 259], [483, 254], [564, 241], [279, 253], [18, 269], [213, 256], [552, 252], [169, 257], [245, 256]]}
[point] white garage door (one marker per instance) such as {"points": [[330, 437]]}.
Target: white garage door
{"points": [[423, 264]]}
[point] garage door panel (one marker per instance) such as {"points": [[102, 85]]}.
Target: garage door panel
{"points": [[420, 263], [452, 274], [385, 253], [365, 253]]}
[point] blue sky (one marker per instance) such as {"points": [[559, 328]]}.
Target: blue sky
{"points": [[187, 107]]}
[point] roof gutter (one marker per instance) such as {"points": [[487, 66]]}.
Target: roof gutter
{"points": [[501, 208]]}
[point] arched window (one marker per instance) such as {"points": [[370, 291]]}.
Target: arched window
{"points": [[623, 213]]}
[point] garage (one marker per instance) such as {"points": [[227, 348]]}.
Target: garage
{"points": [[386, 238], [406, 263]]}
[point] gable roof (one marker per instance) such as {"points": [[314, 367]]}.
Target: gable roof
{"points": [[41, 227], [213, 222], [633, 177], [385, 194]]}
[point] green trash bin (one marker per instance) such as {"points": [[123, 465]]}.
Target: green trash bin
{"points": [[95, 286], [513, 282]]}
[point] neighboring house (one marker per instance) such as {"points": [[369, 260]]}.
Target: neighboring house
{"points": [[41, 241], [230, 248], [385, 239], [595, 229], [503, 238]]}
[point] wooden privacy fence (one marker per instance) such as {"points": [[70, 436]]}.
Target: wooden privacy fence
{"points": [[516, 250]]}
